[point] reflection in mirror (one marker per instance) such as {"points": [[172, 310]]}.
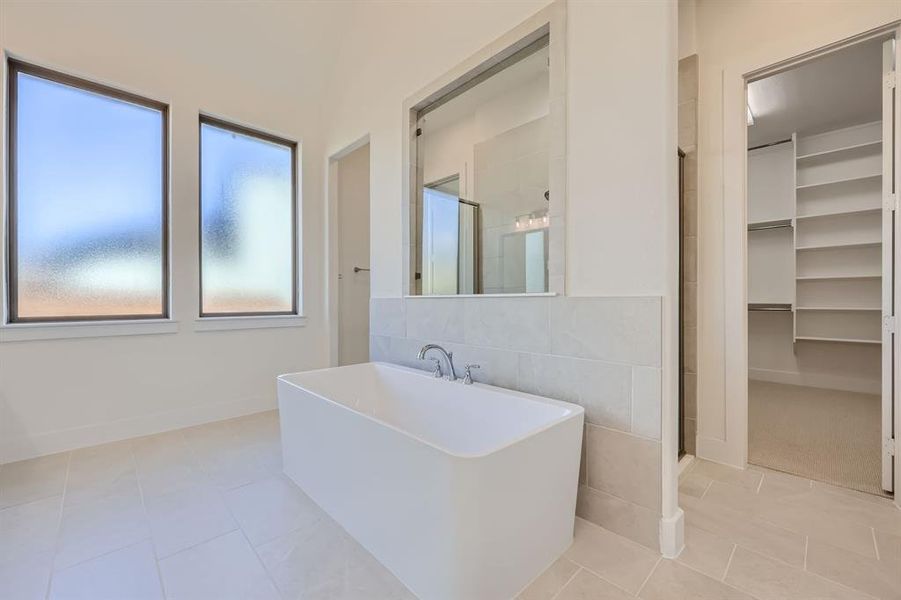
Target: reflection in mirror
{"points": [[449, 240], [482, 171]]}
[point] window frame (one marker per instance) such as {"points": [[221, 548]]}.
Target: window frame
{"points": [[14, 68], [220, 123]]}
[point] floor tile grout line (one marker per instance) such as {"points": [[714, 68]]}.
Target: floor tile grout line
{"points": [[707, 489], [241, 529], [760, 483], [793, 567], [839, 584], [156, 554], [648, 578], [722, 581], [599, 576], [875, 545], [730, 540], [194, 545], [59, 525], [568, 581], [729, 562]]}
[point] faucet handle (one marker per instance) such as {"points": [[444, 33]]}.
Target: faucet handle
{"points": [[467, 375], [436, 372]]}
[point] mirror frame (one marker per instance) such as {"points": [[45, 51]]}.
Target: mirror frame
{"points": [[549, 21]]}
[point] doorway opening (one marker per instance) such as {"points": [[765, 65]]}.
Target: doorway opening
{"points": [[350, 199], [820, 266]]}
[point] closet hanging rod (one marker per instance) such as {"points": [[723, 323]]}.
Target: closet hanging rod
{"points": [[770, 144], [769, 307], [769, 225]]}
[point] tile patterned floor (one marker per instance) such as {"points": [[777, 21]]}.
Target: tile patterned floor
{"points": [[204, 513]]}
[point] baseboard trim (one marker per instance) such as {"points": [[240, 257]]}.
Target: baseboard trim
{"points": [[817, 380], [42, 444], [672, 534]]}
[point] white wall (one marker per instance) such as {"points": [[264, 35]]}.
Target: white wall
{"points": [[734, 38], [258, 63], [617, 125], [687, 23]]}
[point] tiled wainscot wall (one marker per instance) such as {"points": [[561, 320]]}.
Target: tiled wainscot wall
{"points": [[601, 353]]}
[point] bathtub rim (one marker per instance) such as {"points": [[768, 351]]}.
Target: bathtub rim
{"points": [[575, 411]]}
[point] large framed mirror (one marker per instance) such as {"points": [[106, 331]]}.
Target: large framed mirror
{"points": [[486, 157]]}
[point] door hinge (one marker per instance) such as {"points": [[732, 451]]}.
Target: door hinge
{"points": [[890, 447], [890, 79], [888, 323]]}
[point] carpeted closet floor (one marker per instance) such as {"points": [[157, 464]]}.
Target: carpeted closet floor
{"points": [[826, 435]]}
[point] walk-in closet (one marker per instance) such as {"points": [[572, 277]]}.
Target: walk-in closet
{"points": [[820, 268]]}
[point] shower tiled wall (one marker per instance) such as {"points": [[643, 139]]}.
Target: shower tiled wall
{"points": [[688, 136], [511, 177], [601, 353]]}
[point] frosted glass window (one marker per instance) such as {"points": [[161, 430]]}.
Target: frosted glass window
{"points": [[87, 171], [247, 228]]}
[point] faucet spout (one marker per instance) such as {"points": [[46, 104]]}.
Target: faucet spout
{"points": [[451, 375]]}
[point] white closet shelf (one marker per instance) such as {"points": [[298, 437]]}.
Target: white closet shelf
{"points": [[833, 277], [838, 150], [842, 180], [841, 308], [805, 338], [839, 213], [849, 245]]}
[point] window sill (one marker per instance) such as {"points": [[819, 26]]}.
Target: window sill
{"points": [[24, 332], [249, 322]]}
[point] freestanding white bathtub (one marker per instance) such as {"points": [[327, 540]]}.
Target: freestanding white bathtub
{"points": [[465, 492]]}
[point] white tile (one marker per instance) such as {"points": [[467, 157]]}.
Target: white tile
{"points": [[587, 586], [435, 319], [129, 573], [512, 323], [224, 568], [94, 528], [764, 577], [97, 471], [270, 508], [498, 367], [233, 466], [547, 585], [33, 479], [620, 561], [165, 463], [629, 520], [673, 581], [602, 389], [379, 348], [320, 561], [187, 516], [625, 330], [29, 529], [26, 578], [624, 465], [646, 401], [706, 552], [386, 317]]}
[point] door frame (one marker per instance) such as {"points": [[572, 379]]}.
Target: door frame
{"points": [[332, 240], [733, 447]]}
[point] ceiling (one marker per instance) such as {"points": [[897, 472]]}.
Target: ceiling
{"points": [[841, 89], [519, 73]]}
